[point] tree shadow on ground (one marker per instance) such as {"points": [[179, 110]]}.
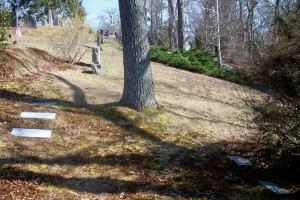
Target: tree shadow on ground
{"points": [[168, 169]]}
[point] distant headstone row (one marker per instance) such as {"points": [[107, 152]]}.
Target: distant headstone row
{"points": [[48, 20]]}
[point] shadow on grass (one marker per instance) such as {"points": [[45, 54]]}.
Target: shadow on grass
{"points": [[87, 72], [169, 169], [82, 64]]}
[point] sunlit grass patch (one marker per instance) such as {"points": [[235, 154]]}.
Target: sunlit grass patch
{"points": [[113, 45], [15, 86], [2, 144]]}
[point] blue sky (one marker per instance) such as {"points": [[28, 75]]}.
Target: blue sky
{"points": [[98, 7]]}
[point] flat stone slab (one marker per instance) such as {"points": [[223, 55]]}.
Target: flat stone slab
{"points": [[44, 103], [274, 187], [240, 160], [35, 133], [38, 115]]}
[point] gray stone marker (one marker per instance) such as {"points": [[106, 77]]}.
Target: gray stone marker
{"points": [[56, 22], [37, 115], [274, 187], [96, 60], [34, 20], [50, 19], [240, 160], [112, 26], [44, 22]]}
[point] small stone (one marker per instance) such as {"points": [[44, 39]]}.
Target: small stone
{"points": [[122, 195]]}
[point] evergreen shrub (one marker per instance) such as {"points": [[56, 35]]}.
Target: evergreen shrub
{"points": [[196, 61], [5, 19]]}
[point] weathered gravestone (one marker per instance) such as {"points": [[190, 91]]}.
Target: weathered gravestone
{"points": [[34, 20], [56, 22], [111, 26], [96, 59], [44, 22], [50, 19]]}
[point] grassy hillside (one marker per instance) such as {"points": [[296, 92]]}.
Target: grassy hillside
{"points": [[101, 150]]}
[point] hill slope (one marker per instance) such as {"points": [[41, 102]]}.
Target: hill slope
{"points": [[177, 151]]}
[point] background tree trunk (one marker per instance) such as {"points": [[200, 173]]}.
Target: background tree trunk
{"points": [[138, 89], [218, 34], [180, 24], [171, 23]]}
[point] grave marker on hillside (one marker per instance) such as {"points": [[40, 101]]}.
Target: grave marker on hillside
{"points": [[37, 115], [36, 133], [96, 59]]}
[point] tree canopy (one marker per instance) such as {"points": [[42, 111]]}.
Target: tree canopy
{"points": [[5, 18], [41, 7]]}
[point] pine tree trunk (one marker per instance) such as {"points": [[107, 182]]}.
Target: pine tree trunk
{"points": [[138, 89]]}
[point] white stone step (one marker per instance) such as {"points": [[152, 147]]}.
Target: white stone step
{"points": [[274, 187], [38, 115], [240, 160], [35, 133]]}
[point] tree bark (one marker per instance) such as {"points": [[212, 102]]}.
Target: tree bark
{"points": [[180, 24], [138, 89], [218, 34], [171, 23]]}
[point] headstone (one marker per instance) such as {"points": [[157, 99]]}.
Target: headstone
{"points": [[106, 33], [96, 59], [99, 39], [111, 29], [112, 37], [96, 55], [50, 19], [44, 22], [37, 133], [56, 22], [240, 160], [112, 26], [37, 115], [34, 20], [18, 32], [274, 187], [95, 69]]}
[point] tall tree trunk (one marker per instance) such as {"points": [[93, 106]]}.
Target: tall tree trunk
{"points": [[206, 26], [218, 34], [180, 24], [241, 25], [275, 27], [171, 23], [250, 20], [138, 89], [152, 21]]}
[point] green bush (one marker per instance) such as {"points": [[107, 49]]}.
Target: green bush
{"points": [[194, 60], [5, 19]]}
